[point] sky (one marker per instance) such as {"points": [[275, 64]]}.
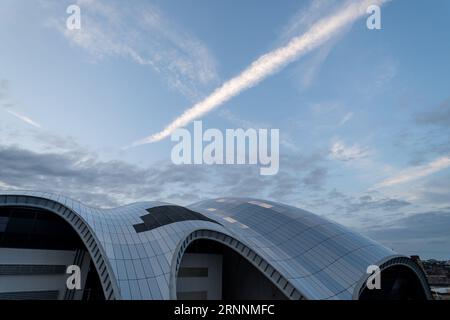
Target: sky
{"points": [[364, 115]]}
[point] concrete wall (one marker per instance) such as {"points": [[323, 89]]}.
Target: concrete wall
{"points": [[39, 282], [211, 284]]}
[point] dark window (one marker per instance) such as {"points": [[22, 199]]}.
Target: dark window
{"points": [[160, 216], [14, 270], [193, 272], [29, 295]]}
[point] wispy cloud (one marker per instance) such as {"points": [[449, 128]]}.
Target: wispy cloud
{"points": [[268, 64], [346, 118], [386, 72], [285, 139], [305, 18], [369, 203], [308, 70], [340, 151], [416, 172], [7, 104], [146, 36]]}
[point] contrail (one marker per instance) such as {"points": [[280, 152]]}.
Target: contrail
{"points": [[24, 119], [269, 64], [417, 172]]}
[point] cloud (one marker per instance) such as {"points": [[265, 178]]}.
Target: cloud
{"points": [[429, 137], [306, 17], [268, 64], [7, 104], [83, 176], [396, 223], [386, 72], [439, 116], [316, 178], [346, 118], [285, 138], [422, 233], [303, 20], [368, 203], [71, 173], [436, 190], [309, 70], [339, 151], [433, 192], [416, 172], [143, 34], [362, 207]]}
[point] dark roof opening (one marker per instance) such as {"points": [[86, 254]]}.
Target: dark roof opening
{"points": [[163, 215]]}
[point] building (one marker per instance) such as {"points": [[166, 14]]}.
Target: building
{"points": [[217, 249], [441, 293], [438, 274]]}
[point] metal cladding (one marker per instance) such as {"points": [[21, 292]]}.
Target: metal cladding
{"points": [[137, 256]]}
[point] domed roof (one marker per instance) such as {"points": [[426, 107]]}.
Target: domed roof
{"points": [[139, 246]]}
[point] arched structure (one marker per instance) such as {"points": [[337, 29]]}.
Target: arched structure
{"points": [[138, 250], [245, 252], [65, 210]]}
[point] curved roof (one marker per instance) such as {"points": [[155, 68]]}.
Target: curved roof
{"points": [[137, 248]]}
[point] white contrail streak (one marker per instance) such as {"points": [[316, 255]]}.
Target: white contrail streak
{"points": [[414, 173], [268, 64], [24, 119]]}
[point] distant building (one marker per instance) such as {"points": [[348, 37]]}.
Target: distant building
{"points": [[226, 248], [438, 273], [441, 293]]}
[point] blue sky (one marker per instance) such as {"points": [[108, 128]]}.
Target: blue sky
{"points": [[364, 117]]}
